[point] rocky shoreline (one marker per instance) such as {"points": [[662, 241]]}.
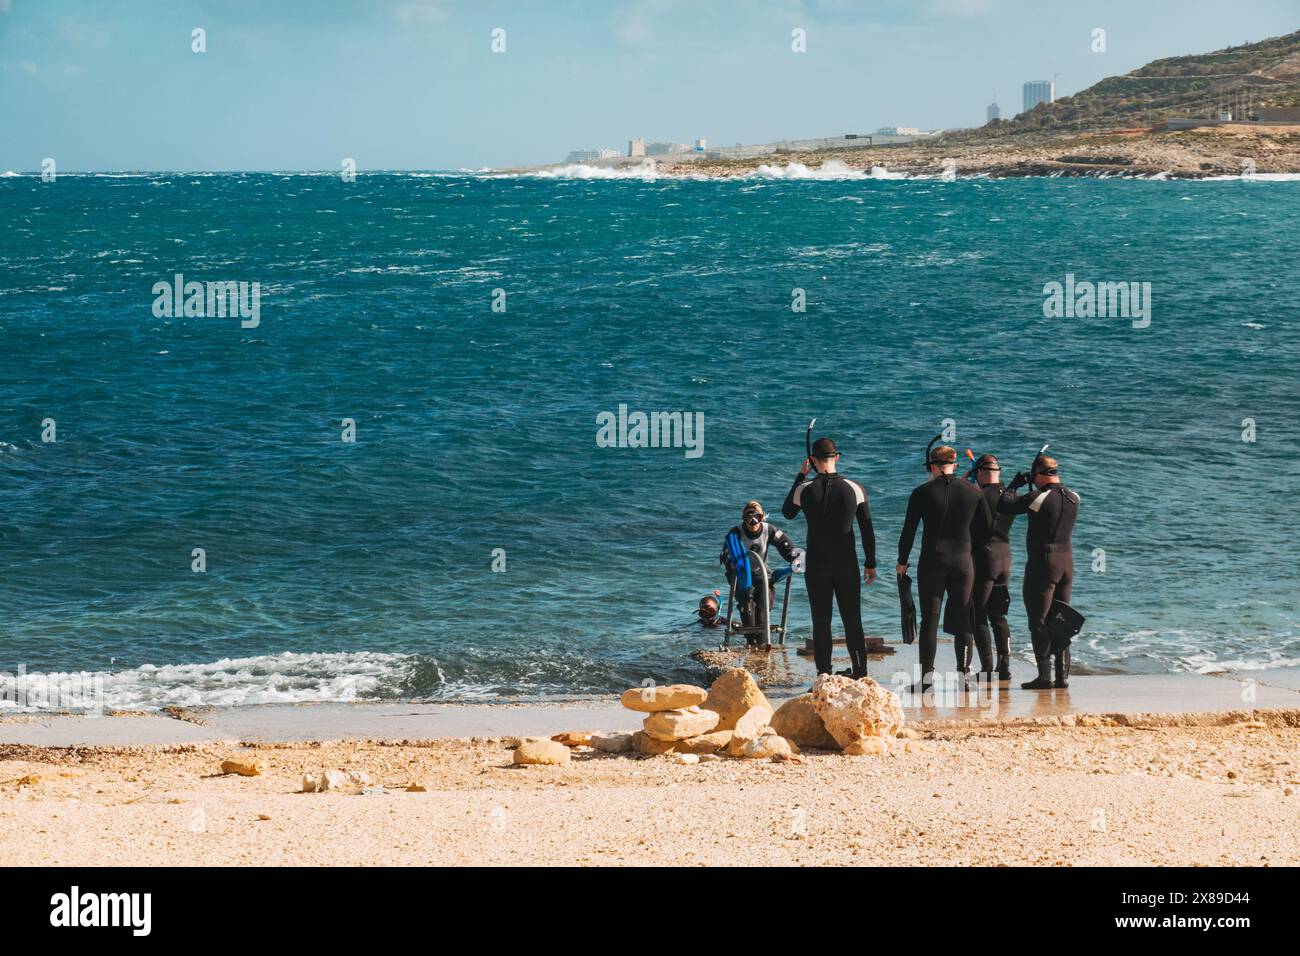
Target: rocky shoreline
{"points": [[1206, 152]]}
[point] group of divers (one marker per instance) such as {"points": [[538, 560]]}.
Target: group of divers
{"points": [[965, 555]]}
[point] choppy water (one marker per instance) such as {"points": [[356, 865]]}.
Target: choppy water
{"points": [[339, 571]]}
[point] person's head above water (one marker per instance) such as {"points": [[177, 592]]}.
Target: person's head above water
{"points": [[988, 470], [825, 455], [752, 515], [708, 607], [943, 460], [1045, 471]]}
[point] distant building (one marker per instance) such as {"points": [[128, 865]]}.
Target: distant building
{"points": [[636, 147], [1039, 91], [898, 131], [664, 149], [994, 112], [592, 155], [701, 145]]}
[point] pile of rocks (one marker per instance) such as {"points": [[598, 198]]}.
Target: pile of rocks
{"points": [[734, 719], [731, 718]]}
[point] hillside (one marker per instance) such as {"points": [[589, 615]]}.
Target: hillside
{"points": [[1243, 79]]}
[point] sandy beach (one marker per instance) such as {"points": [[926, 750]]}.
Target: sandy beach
{"points": [[1186, 789]]}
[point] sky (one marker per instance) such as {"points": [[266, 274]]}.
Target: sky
{"points": [[415, 84]]}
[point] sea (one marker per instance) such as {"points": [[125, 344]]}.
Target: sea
{"points": [[390, 479]]}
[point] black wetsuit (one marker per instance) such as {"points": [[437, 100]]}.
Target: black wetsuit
{"points": [[754, 612], [830, 504], [1049, 566], [957, 520], [993, 570]]}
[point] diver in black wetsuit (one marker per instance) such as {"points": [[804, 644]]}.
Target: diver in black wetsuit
{"points": [[1049, 568], [830, 504], [992, 571], [757, 535], [957, 520]]}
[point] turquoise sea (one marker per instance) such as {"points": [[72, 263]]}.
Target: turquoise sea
{"points": [[348, 570]]}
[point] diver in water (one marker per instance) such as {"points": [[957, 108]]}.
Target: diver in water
{"points": [[830, 504], [707, 613], [956, 520], [755, 534], [1053, 510], [993, 573]]}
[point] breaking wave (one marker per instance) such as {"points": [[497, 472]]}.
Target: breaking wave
{"points": [[644, 171], [831, 169]]}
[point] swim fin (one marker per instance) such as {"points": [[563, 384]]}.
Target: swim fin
{"points": [[1063, 622], [908, 608]]}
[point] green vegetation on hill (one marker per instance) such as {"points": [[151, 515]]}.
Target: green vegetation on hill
{"points": [[1242, 79]]}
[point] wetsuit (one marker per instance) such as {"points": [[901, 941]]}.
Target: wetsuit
{"points": [[755, 612], [1049, 566], [957, 520], [993, 570], [830, 504]]}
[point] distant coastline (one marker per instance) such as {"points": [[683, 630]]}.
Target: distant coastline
{"points": [[1228, 150]]}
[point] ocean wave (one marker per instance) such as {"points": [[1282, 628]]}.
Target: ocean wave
{"points": [[1252, 178], [645, 171], [831, 169], [271, 679], [468, 675]]}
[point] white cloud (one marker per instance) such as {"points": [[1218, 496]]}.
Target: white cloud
{"points": [[425, 12]]}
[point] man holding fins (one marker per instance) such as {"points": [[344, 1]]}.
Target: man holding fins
{"points": [[957, 520], [830, 504], [1049, 569]]}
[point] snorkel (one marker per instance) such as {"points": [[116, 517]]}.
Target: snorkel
{"points": [[970, 475], [929, 448], [807, 442], [1032, 472]]}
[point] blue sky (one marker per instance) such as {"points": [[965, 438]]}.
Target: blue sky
{"points": [[292, 84]]}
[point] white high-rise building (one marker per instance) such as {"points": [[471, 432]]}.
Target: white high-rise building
{"points": [[1039, 91], [994, 112]]}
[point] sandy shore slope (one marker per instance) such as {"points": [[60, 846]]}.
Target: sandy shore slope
{"points": [[1187, 790]]}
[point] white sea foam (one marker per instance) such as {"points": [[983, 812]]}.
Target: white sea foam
{"points": [[1253, 178], [270, 679], [644, 171], [832, 169]]}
